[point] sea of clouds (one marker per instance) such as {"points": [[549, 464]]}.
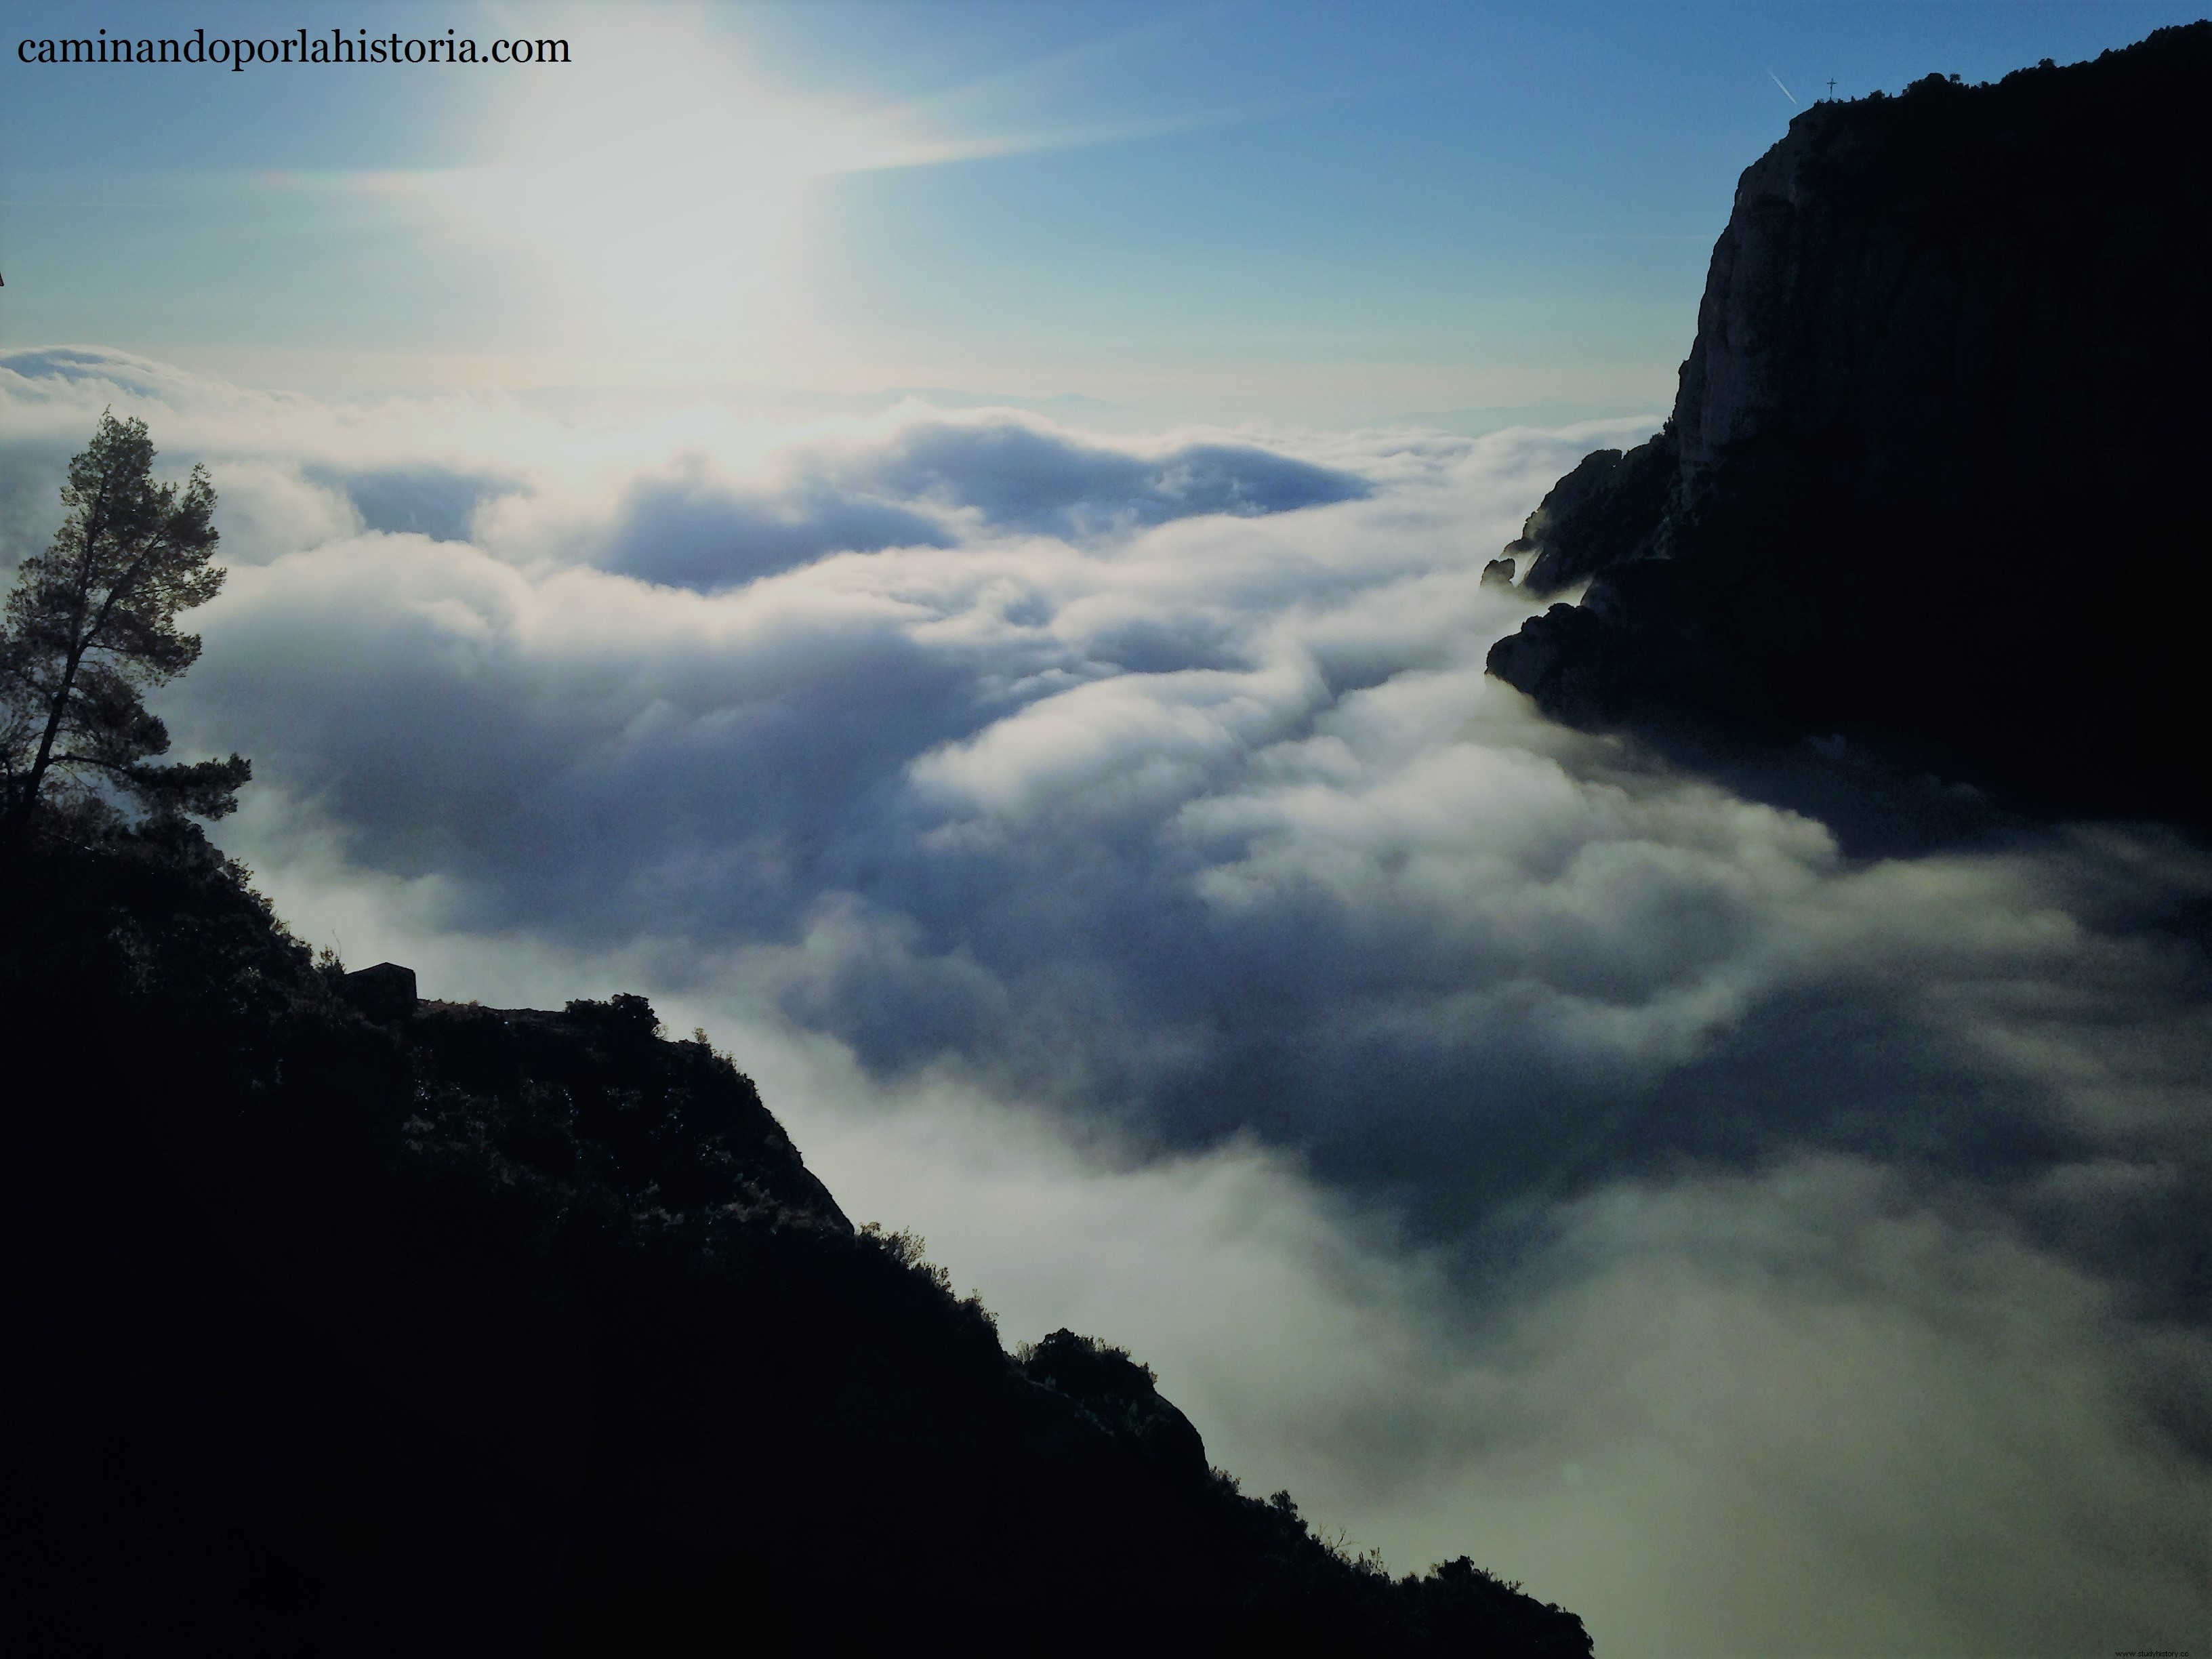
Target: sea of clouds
{"points": [[1112, 860]]}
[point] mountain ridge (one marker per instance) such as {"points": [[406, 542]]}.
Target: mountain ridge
{"points": [[1931, 490], [348, 1322]]}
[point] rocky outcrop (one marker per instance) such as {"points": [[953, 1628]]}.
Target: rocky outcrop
{"points": [[1120, 1395], [384, 993], [1933, 480], [1606, 512]]}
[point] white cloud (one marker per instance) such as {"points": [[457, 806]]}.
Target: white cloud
{"points": [[1112, 859]]}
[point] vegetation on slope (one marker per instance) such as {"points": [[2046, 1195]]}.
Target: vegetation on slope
{"points": [[487, 1331]]}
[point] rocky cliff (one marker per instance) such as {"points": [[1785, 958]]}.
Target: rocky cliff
{"points": [[1934, 488]]}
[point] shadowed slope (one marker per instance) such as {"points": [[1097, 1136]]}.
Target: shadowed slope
{"points": [[481, 1331]]}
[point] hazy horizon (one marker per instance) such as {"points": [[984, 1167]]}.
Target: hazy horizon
{"points": [[1299, 213]]}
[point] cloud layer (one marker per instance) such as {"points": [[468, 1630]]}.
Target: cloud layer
{"points": [[1115, 860]]}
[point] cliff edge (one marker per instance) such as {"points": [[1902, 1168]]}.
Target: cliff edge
{"points": [[1933, 492]]}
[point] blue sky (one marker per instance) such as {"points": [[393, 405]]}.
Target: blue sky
{"points": [[1306, 211]]}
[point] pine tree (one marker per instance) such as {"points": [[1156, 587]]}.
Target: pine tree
{"points": [[90, 624]]}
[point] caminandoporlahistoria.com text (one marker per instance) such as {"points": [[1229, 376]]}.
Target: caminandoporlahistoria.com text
{"points": [[235, 52]]}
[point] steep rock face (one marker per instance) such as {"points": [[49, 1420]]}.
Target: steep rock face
{"points": [[1606, 512], [1934, 479]]}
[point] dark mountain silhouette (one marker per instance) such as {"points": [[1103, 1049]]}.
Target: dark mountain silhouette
{"points": [[1933, 492], [344, 1323]]}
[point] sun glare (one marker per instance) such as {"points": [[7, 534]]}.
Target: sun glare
{"points": [[664, 179]]}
